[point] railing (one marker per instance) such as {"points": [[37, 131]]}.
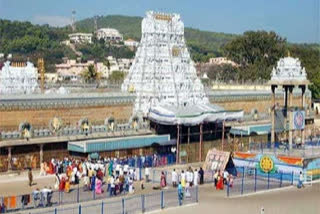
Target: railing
{"points": [[156, 174], [134, 204], [310, 148], [250, 180]]}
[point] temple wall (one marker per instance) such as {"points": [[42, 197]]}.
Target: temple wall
{"points": [[262, 105], [10, 119]]}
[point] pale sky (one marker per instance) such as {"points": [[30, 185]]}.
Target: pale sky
{"points": [[297, 20]]}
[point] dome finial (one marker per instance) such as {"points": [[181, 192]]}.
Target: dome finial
{"points": [[289, 55]]}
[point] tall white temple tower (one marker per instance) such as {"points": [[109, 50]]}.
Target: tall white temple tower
{"points": [[162, 74]]}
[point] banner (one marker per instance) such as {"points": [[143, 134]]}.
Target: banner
{"points": [[298, 120]]}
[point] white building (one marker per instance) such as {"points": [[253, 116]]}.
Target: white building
{"points": [[71, 69], [222, 61], [131, 43], [109, 34], [80, 38], [18, 78]]}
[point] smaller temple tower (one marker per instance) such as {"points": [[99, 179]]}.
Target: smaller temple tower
{"points": [[288, 75]]}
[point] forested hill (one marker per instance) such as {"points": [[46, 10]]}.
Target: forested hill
{"points": [[203, 44]]}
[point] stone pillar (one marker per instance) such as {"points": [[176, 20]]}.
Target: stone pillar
{"points": [[9, 159], [178, 145], [200, 144], [189, 135], [290, 118], [222, 138], [273, 106], [41, 153]]}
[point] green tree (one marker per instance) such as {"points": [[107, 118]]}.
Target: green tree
{"points": [[256, 47], [90, 74], [256, 52], [117, 76]]}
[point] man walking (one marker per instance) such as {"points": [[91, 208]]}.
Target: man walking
{"points": [[201, 173], [30, 177], [174, 177]]}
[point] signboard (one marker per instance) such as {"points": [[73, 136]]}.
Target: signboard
{"points": [[216, 160], [298, 120]]}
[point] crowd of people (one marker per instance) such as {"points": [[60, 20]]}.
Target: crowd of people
{"points": [[114, 177], [116, 174]]}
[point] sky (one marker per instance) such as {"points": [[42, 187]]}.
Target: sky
{"points": [[296, 20]]}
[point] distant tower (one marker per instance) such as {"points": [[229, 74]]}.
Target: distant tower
{"points": [[41, 70], [73, 21], [95, 19]]}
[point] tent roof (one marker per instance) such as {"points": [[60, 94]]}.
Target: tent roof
{"points": [[191, 115]]}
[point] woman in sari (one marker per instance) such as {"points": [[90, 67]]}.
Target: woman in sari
{"points": [[98, 186], [57, 183], [62, 184], [67, 186], [183, 179], [220, 182], [163, 182]]}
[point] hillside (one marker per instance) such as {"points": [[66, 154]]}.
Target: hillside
{"points": [[202, 44]]}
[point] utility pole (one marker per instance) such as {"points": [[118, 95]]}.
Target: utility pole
{"points": [[41, 70]]}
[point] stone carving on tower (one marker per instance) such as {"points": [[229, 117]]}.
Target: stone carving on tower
{"points": [[162, 71], [163, 76], [287, 69]]}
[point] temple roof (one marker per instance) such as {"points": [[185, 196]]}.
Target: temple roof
{"points": [[289, 71]]}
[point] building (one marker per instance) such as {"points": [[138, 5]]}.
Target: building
{"points": [[18, 78], [109, 35], [124, 64], [221, 61], [71, 69], [51, 77], [131, 44], [80, 38]]}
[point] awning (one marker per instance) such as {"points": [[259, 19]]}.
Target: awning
{"points": [[191, 115], [251, 130], [111, 144]]}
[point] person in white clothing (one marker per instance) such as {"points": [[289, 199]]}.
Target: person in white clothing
{"points": [[125, 169], [174, 177], [117, 169], [195, 177], [147, 174]]}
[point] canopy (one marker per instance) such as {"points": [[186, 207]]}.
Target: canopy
{"points": [[111, 144], [191, 115]]}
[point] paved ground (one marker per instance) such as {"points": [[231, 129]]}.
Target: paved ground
{"points": [[285, 201], [289, 201]]}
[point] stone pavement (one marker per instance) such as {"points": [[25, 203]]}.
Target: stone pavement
{"points": [[285, 201]]}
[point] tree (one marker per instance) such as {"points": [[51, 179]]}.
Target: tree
{"points": [[256, 47], [90, 74], [256, 53], [117, 76]]}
